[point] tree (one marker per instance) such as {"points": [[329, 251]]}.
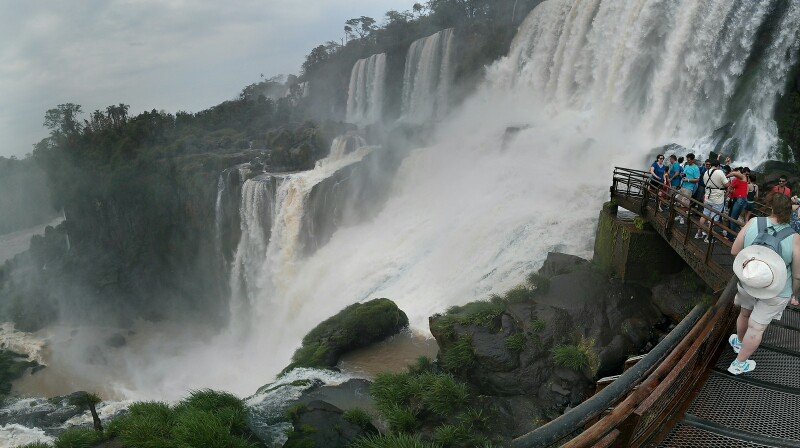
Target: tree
{"points": [[63, 119], [362, 26], [88, 400]]}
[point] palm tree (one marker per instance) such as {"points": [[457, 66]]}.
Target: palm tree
{"points": [[89, 400]]}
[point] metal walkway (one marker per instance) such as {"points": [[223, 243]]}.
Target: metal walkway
{"points": [[758, 409], [680, 394]]}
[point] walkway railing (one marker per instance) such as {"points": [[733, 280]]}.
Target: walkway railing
{"points": [[642, 404]]}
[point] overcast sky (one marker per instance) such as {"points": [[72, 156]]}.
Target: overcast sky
{"points": [[169, 54]]}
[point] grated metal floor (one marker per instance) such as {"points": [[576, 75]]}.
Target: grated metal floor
{"points": [[757, 409]]}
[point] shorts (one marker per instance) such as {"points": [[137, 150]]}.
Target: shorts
{"points": [[764, 310], [750, 206], [714, 211], [684, 197]]}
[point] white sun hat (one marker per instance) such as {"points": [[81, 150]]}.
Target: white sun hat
{"points": [[761, 271]]}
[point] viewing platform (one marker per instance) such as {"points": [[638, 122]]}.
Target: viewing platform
{"points": [[680, 394]]}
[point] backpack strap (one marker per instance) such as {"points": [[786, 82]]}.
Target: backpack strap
{"points": [[785, 233], [762, 224]]}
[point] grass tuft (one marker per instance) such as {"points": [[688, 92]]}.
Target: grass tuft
{"points": [[459, 356], [360, 418], [392, 441], [451, 435], [78, 438], [577, 357], [516, 342], [538, 282]]}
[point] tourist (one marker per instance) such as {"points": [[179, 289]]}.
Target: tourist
{"points": [[739, 187], [767, 258], [716, 183], [691, 177], [783, 187], [700, 191], [752, 194], [658, 176], [675, 171], [726, 167]]}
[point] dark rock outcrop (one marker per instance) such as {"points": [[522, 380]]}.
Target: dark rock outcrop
{"points": [[676, 295], [321, 424], [551, 344]]}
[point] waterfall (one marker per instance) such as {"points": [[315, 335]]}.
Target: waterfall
{"points": [[366, 92], [427, 77], [521, 168], [272, 210], [673, 66]]}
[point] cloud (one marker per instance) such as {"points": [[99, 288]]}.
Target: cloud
{"points": [[171, 55]]}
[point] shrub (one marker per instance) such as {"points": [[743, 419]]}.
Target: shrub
{"points": [[441, 393], [538, 325], [474, 418], [392, 441], [360, 418], [225, 406], [577, 357], [401, 419], [538, 282], [423, 364], [197, 428], [519, 294], [450, 435], [516, 342], [459, 356], [36, 445], [481, 313], [78, 438]]}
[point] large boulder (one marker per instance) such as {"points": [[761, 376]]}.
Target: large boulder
{"points": [[676, 295], [356, 326], [321, 424]]}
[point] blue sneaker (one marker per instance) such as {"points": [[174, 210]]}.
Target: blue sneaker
{"points": [[737, 368], [736, 344]]}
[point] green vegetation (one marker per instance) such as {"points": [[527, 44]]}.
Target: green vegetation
{"points": [[356, 326], [89, 401], [516, 342], [582, 355], [204, 419], [423, 394], [392, 441], [459, 356], [538, 282], [359, 417], [78, 438], [451, 435]]}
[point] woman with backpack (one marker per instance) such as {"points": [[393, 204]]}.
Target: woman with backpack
{"points": [[767, 260]]}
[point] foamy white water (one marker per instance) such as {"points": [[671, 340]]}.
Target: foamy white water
{"points": [[587, 84], [427, 78], [367, 90]]}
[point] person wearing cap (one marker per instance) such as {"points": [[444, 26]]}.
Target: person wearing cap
{"points": [[765, 278]]}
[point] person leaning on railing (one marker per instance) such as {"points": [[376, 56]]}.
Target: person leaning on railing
{"points": [[767, 260]]}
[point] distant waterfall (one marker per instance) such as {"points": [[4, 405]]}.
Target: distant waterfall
{"points": [[273, 208], [674, 66], [366, 92], [427, 77]]}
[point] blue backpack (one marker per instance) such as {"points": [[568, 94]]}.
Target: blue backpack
{"points": [[771, 239]]}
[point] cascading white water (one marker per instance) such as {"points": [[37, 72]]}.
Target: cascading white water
{"points": [[427, 77], [366, 92], [587, 84]]}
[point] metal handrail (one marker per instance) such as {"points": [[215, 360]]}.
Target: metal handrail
{"points": [[565, 425], [649, 370]]}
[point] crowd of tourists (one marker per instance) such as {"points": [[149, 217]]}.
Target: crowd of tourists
{"points": [[767, 249]]}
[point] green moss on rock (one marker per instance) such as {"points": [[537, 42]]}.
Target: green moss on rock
{"points": [[356, 326]]}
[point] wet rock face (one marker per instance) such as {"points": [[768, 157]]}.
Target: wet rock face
{"points": [[322, 424], [676, 295], [51, 415], [553, 344]]}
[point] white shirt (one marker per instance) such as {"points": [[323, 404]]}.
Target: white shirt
{"points": [[716, 183]]}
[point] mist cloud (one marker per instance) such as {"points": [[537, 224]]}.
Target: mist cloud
{"points": [[172, 55]]}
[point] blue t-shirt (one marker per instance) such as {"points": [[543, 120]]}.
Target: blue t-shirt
{"points": [[692, 172], [659, 170], [673, 170]]}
